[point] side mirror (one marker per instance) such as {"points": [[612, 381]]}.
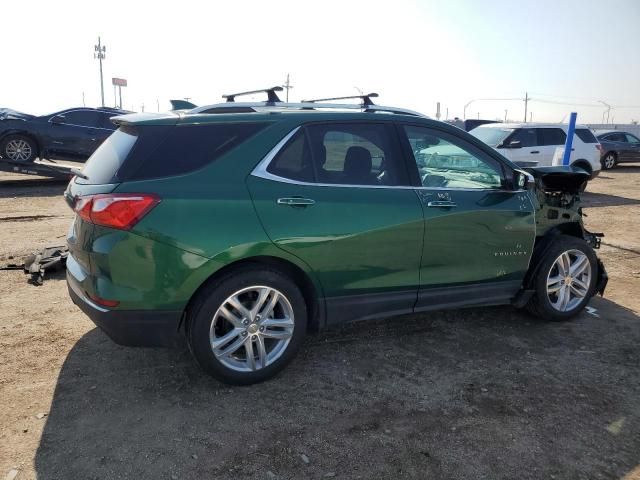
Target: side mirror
{"points": [[57, 119], [523, 180], [512, 144]]}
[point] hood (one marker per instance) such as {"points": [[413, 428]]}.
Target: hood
{"points": [[567, 179], [8, 114]]}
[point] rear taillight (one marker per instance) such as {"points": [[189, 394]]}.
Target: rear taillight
{"points": [[599, 147], [118, 210]]}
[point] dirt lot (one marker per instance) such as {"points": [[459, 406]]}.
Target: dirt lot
{"points": [[485, 393]]}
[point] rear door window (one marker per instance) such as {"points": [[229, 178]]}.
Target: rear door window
{"points": [[586, 135], [617, 137], [551, 136], [631, 138], [105, 162], [83, 118], [526, 136]]}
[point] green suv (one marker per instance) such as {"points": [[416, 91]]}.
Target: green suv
{"points": [[241, 226]]}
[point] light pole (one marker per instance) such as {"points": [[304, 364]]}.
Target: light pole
{"points": [[99, 51], [608, 109], [464, 110]]}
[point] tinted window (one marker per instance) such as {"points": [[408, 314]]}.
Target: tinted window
{"points": [[85, 118], [551, 136], [526, 136], [106, 120], [444, 161], [616, 137], [347, 154], [586, 135], [109, 157], [631, 138], [294, 160], [187, 148]]}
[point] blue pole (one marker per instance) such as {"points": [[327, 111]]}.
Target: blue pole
{"points": [[569, 145]]}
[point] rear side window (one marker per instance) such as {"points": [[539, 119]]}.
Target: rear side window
{"points": [[109, 157], [187, 148], [616, 137], [551, 136], [586, 135]]}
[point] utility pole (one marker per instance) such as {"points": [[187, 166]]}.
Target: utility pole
{"points": [[99, 51], [447, 115], [505, 116], [530, 117], [287, 86], [438, 110], [526, 102], [83, 104]]}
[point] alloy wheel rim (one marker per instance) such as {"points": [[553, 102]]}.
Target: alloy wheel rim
{"points": [[609, 161], [568, 280], [252, 328], [18, 150]]}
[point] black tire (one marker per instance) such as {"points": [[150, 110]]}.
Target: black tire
{"points": [[609, 160], [213, 296], [27, 148], [541, 304]]}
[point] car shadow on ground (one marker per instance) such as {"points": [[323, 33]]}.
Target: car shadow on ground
{"points": [[480, 393], [595, 200]]}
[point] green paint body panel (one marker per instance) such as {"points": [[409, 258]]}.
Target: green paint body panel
{"points": [[352, 241]]}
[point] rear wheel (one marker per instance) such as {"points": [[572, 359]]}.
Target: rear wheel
{"points": [[609, 161], [565, 281], [19, 148], [246, 326]]}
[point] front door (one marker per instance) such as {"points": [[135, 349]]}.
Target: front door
{"points": [[479, 234], [337, 196]]}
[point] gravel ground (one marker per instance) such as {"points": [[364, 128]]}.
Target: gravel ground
{"points": [[477, 393]]}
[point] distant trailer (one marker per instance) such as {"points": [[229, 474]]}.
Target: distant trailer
{"points": [[41, 169]]}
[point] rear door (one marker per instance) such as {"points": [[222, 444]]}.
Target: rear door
{"points": [[549, 141], [634, 147], [337, 196], [521, 147], [79, 134], [479, 234]]}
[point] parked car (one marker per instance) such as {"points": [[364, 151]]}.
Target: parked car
{"points": [[618, 147], [240, 232], [535, 144], [71, 134]]}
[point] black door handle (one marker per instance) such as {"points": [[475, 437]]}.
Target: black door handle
{"points": [[535, 151]]}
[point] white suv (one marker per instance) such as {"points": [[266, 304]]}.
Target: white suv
{"points": [[536, 144]]}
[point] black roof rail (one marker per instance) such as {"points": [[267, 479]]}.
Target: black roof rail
{"points": [[366, 99], [272, 97]]}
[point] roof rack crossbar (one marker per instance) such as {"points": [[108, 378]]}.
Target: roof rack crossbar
{"points": [[272, 96], [366, 99]]}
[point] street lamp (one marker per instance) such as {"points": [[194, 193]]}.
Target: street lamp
{"points": [[464, 110], [608, 109]]}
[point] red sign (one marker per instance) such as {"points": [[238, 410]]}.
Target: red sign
{"points": [[119, 82]]}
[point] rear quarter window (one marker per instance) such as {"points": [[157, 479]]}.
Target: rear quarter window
{"points": [[586, 135], [186, 148], [551, 136]]}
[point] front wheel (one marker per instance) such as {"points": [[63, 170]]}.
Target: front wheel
{"points": [[245, 327], [19, 148], [565, 281]]}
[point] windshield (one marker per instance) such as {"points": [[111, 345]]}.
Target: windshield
{"points": [[490, 135]]}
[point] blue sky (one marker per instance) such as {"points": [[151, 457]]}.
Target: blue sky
{"points": [[414, 53]]}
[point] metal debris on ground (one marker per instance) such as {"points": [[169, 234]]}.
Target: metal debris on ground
{"points": [[50, 259]]}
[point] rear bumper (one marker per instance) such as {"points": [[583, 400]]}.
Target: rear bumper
{"points": [[134, 328]]}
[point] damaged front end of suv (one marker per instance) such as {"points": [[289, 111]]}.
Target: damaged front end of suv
{"points": [[556, 194]]}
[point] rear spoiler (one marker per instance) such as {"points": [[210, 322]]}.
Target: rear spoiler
{"points": [[182, 105]]}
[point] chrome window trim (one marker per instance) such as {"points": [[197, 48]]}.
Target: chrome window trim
{"points": [[81, 126], [261, 171]]}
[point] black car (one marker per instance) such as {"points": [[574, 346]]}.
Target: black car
{"points": [[71, 134], [618, 147]]}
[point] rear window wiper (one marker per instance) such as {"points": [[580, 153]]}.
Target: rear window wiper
{"points": [[78, 173]]}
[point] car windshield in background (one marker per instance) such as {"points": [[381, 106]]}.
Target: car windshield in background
{"points": [[109, 157], [491, 136]]}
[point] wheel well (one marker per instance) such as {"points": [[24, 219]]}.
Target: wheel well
{"points": [[301, 279], [582, 163], [611, 152]]}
